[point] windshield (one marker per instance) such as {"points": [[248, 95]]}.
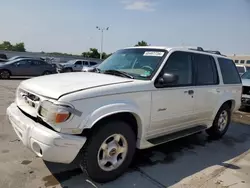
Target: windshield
{"points": [[141, 63], [12, 58], [70, 61], [246, 75], [241, 69]]}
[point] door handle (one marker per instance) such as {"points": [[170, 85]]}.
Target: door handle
{"points": [[190, 92]]}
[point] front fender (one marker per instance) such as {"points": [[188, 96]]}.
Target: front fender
{"points": [[111, 109]]}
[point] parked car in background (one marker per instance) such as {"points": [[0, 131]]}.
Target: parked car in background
{"points": [[245, 100], [242, 69], [26, 67], [3, 56], [17, 57], [90, 69], [75, 65], [140, 97]]}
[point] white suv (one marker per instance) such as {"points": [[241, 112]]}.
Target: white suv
{"points": [[138, 98]]}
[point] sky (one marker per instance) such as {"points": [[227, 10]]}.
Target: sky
{"points": [[69, 26]]}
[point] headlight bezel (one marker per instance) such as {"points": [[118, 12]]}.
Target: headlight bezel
{"points": [[52, 110]]}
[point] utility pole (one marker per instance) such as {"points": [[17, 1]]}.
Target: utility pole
{"points": [[102, 29]]}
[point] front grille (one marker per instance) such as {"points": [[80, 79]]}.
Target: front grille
{"points": [[246, 90], [28, 99]]}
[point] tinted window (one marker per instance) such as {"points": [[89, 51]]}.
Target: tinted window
{"points": [[242, 61], [85, 63], [180, 64], [92, 63], [78, 63], [206, 70], [38, 63], [236, 61], [229, 72], [246, 75], [248, 61], [23, 63]]}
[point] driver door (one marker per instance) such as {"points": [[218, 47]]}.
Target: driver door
{"points": [[173, 106], [78, 66]]}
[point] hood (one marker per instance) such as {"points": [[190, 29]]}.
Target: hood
{"points": [[245, 82], [56, 85]]}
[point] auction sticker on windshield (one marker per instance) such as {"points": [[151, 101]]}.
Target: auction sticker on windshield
{"points": [[153, 53]]}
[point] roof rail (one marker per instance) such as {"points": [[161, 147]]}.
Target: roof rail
{"points": [[208, 51], [214, 52], [198, 49]]}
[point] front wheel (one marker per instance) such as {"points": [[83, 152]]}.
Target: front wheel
{"points": [[221, 122], [109, 151]]}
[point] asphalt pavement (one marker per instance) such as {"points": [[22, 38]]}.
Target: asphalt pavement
{"points": [[194, 161]]}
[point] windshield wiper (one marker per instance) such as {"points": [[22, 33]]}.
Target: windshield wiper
{"points": [[118, 73]]}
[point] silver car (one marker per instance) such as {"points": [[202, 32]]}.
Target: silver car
{"points": [[75, 65]]}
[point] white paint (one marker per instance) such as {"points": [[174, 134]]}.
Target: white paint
{"points": [[157, 111]]}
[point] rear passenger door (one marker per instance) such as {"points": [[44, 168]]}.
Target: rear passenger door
{"points": [[206, 87], [85, 64]]}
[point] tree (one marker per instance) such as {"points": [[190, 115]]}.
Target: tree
{"points": [[6, 45], [142, 43], [19, 47], [93, 53]]}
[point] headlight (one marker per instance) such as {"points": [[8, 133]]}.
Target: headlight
{"points": [[54, 113]]}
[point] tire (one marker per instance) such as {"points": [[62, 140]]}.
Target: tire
{"points": [[92, 152], [4, 74], [218, 128], [68, 70], [47, 73]]}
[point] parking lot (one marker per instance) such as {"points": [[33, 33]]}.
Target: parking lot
{"points": [[195, 161]]}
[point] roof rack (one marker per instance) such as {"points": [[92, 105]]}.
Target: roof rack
{"points": [[208, 51]]}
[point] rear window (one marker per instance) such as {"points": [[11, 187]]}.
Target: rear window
{"points": [[229, 71]]}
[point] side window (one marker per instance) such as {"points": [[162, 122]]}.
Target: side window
{"points": [[92, 63], [236, 61], [206, 70], [229, 71], [248, 61], [180, 64], [242, 61], [22, 63], [78, 63], [85, 63]]}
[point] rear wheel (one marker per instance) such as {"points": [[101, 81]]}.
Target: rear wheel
{"points": [[221, 122], [47, 73], [4, 74], [109, 152]]}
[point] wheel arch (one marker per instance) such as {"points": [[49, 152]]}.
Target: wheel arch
{"points": [[4, 69], [230, 102], [131, 118]]}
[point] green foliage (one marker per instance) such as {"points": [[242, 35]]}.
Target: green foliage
{"points": [[6, 45], [142, 43], [93, 53]]}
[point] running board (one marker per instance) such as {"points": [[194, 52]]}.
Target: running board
{"points": [[176, 135]]}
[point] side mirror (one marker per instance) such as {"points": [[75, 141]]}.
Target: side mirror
{"points": [[17, 64], [167, 79]]}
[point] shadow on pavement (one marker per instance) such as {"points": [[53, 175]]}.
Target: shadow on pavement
{"points": [[166, 164]]}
